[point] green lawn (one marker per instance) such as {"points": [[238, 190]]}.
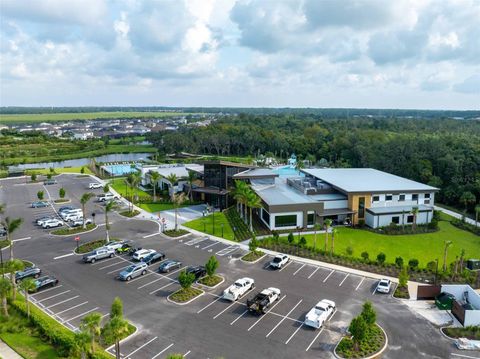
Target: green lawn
{"points": [[424, 247], [45, 171], [205, 225], [118, 184]]}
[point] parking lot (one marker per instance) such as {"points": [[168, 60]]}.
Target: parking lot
{"points": [[208, 327]]}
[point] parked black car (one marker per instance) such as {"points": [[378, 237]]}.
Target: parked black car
{"points": [[154, 258], [3, 231], [44, 282], [198, 271], [27, 273], [168, 265]]}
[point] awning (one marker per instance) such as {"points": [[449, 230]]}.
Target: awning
{"points": [[335, 212]]}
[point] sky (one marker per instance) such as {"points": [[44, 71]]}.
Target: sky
{"points": [[241, 53]]}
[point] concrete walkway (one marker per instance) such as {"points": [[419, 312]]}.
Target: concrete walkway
{"points": [[456, 215], [8, 353]]}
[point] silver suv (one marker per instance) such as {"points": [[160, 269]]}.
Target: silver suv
{"points": [[97, 254], [133, 271]]}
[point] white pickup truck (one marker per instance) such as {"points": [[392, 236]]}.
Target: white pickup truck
{"points": [[279, 261], [320, 313], [238, 289]]}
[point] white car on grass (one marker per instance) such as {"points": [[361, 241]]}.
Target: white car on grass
{"points": [[52, 223], [238, 289], [279, 261], [384, 286], [142, 253], [320, 313]]}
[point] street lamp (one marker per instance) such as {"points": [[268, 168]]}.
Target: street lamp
{"points": [[93, 216]]}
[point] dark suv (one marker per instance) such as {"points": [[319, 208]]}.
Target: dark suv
{"points": [[27, 273], [154, 258], [198, 271]]}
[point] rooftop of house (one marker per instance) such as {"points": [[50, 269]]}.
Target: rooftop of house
{"points": [[256, 173], [180, 170], [366, 180]]}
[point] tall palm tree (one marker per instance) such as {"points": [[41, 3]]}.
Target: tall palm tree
{"points": [[84, 200], [191, 177], [334, 233], [27, 285], [154, 177], [11, 225], [253, 201], [327, 223], [172, 178], [12, 266], [116, 329], [81, 343], [177, 200], [240, 195], [109, 206], [91, 324], [137, 179], [130, 182], [447, 244], [415, 214], [5, 287]]}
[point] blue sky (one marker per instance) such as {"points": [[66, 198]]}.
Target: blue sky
{"points": [[272, 53]]}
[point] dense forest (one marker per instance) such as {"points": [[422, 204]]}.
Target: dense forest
{"points": [[443, 152]]}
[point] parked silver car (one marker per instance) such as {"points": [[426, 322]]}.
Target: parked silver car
{"points": [[133, 271], [97, 254]]}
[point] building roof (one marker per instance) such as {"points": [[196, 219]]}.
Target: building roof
{"points": [[366, 180], [256, 173], [398, 209], [228, 163], [279, 193], [180, 170]]}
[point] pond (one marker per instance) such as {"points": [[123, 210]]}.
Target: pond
{"points": [[116, 157]]}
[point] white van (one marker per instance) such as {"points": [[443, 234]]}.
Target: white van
{"points": [[73, 212], [106, 197], [73, 217]]}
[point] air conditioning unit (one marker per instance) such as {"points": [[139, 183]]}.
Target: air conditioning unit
{"points": [[473, 264]]}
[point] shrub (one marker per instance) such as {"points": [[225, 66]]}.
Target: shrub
{"points": [[186, 279], [291, 238], [349, 251], [302, 242], [368, 313], [381, 257], [403, 278], [40, 195], [33, 177], [211, 266], [399, 262], [413, 263], [432, 266], [49, 176], [61, 192], [275, 236], [253, 244], [117, 308], [364, 256], [82, 170], [433, 224], [361, 223]]}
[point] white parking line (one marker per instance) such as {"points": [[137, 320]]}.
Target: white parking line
{"points": [[241, 315], [375, 289], [140, 277], [21, 239], [223, 311], [227, 250], [299, 269], [53, 296], [209, 304], [116, 270], [295, 332], [150, 235], [464, 356], [359, 284], [195, 241], [315, 271], [184, 355], [165, 286], [45, 291], [153, 281], [111, 265], [344, 279], [140, 347], [163, 351], [314, 339], [75, 306], [80, 315], [281, 321], [210, 245], [263, 316], [63, 301], [285, 266], [328, 276], [64, 256], [104, 261]]}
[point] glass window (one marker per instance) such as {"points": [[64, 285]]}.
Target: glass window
{"points": [[311, 219], [396, 220], [388, 197], [361, 207], [414, 197], [376, 198], [409, 219], [427, 195], [401, 198], [289, 220], [265, 216]]}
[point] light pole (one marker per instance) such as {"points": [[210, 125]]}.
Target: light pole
{"points": [[436, 272], [222, 230], [203, 220], [213, 219]]}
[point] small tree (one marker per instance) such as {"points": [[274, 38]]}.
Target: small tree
{"points": [[368, 314], [365, 256], [275, 236], [403, 278], [106, 188], [27, 285], [253, 244], [5, 287], [381, 257], [211, 266], [82, 170], [413, 263], [83, 201], [116, 310], [186, 279], [33, 177], [49, 176], [349, 251], [399, 262], [302, 242], [61, 193], [12, 266], [358, 329], [51, 170], [291, 238], [91, 324], [40, 195], [81, 343]]}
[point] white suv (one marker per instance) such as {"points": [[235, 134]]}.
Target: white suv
{"points": [[142, 253], [52, 223], [94, 185]]}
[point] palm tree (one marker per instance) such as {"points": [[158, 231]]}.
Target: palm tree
{"points": [[327, 223], [5, 287], [109, 206], [81, 343], [11, 225], [91, 324], [154, 176], [177, 200], [447, 244], [477, 212], [84, 200], [12, 266], [415, 214], [240, 195], [172, 178], [137, 179], [191, 177], [334, 233], [116, 329], [27, 285], [315, 228], [253, 201], [130, 182]]}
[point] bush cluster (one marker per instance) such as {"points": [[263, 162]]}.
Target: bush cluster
{"points": [[241, 231]]}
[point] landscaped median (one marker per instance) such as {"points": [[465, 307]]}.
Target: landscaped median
{"points": [[73, 230], [176, 233], [90, 246], [211, 281], [129, 214], [185, 295], [253, 256]]}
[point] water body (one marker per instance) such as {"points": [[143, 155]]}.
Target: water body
{"points": [[117, 157]]}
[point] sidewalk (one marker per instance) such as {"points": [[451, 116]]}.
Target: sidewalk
{"points": [[8, 353]]}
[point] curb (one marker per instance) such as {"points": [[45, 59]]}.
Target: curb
{"points": [[255, 261], [124, 339], [179, 237], [73, 234], [375, 355], [188, 302], [215, 286]]}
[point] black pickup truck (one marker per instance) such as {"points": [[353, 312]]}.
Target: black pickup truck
{"points": [[262, 301]]}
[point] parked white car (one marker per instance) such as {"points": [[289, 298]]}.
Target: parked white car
{"points": [[106, 197], [52, 223], [279, 261], [71, 213], [238, 289], [94, 185], [384, 286], [79, 222], [114, 245], [320, 313], [142, 253]]}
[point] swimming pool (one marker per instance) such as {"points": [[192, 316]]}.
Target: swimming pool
{"points": [[287, 171], [119, 169]]}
